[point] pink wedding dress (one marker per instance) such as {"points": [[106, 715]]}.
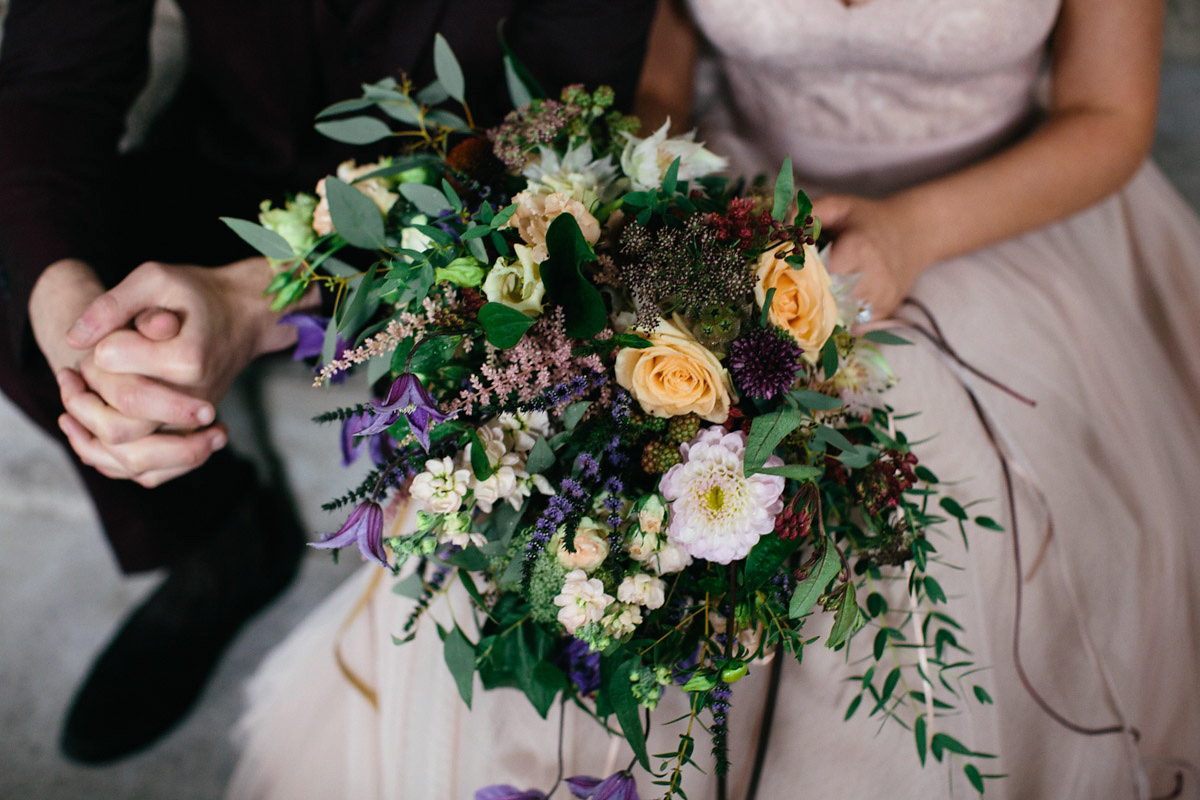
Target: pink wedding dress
{"points": [[1096, 318]]}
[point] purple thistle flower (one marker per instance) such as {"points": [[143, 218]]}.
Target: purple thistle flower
{"points": [[618, 786], [409, 398], [764, 362], [310, 338], [506, 792], [364, 527]]}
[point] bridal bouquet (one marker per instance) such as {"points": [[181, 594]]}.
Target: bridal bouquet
{"points": [[619, 402]]}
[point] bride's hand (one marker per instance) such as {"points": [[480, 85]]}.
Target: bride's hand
{"points": [[873, 239]]}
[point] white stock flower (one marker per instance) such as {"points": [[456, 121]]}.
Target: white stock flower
{"points": [[656, 552], [646, 161], [643, 590], [623, 621], [524, 427], [441, 487], [581, 600]]}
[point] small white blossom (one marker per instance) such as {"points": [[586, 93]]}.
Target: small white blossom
{"points": [[441, 487], [581, 601], [643, 590], [623, 621]]}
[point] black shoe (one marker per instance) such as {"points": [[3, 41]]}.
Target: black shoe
{"points": [[151, 673]]}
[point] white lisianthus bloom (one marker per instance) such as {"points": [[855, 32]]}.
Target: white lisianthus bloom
{"points": [[517, 284], [643, 590], [581, 601], [646, 161], [441, 487], [652, 514]]}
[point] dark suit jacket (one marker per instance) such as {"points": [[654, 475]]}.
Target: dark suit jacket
{"points": [[240, 128]]}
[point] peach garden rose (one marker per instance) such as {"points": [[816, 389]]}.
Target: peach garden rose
{"points": [[676, 375], [803, 303]]}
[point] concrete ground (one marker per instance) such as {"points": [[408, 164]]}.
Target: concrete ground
{"points": [[61, 594]]}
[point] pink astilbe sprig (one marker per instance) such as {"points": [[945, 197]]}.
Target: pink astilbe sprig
{"points": [[529, 372], [401, 327]]}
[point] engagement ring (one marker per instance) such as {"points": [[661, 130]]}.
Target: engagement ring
{"points": [[864, 314]]}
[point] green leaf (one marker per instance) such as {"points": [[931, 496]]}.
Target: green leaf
{"points": [[625, 706], [951, 507], [433, 353], [889, 686], [502, 325], [945, 742], [631, 340], [358, 301], [700, 682], [876, 605], [460, 658], [784, 187], [518, 93], [264, 240], [432, 94], [412, 586], [989, 523], [766, 432], [765, 559], [573, 413], [671, 178], [447, 120], [934, 590], [853, 707], [766, 309], [812, 587], [345, 107], [859, 457], [846, 620], [470, 559], [541, 457], [355, 216], [503, 216], [829, 358], [972, 773], [815, 401], [982, 696], [480, 465], [427, 199], [449, 73], [921, 737], [452, 197], [884, 337], [833, 436], [880, 643], [354, 130], [804, 207], [797, 472], [582, 304]]}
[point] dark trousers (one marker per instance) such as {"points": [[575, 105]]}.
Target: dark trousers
{"points": [[146, 528]]}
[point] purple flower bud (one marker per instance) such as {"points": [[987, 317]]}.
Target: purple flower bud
{"points": [[364, 527], [618, 786], [310, 338], [506, 792]]}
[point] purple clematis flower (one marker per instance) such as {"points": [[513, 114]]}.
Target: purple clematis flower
{"points": [[364, 527], [506, 792], [310, 338], [408, 397], [378, 446], [618, 786]]}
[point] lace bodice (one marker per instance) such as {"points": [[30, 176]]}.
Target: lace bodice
{"points": [[922, 74]]}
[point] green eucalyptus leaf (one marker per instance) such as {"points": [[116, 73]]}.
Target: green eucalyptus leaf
{"points": [[264, 240], [446, 119], [469, 559], [428, 200], [503, 326], [815, 401], [460, 658], [345, 107], [400, 109], [518, 92], [582, 304], [355, 216], [354, 130], [847, 619], [541, 457], [829, 358], [573, 413], [411, 586], [432, 94], [358, 300], [449, 73]]}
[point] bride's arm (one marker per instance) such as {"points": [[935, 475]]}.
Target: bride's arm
{"points": [[1106, 56], [667, 81]]}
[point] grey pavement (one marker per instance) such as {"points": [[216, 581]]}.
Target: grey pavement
{"points": [[61, 595]]}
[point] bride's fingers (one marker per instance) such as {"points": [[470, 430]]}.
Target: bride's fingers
{"points": [[157, 324], [149, 461], [100, 419], [139, 397]]}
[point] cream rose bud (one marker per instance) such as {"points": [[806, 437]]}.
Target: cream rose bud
{"points": [[590, 543], [652, 514], [518, 284], [676, 375], [535, 212], [803, 303], [643, 590]]}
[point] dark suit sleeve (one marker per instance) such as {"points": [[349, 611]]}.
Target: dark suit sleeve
{"points": [[592, 42], [69, 71]]}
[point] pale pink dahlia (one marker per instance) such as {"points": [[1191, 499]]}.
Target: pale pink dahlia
{"points": [[717, 513]]}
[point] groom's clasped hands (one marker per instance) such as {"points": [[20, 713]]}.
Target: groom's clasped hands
{"points": [[158, 351]]}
